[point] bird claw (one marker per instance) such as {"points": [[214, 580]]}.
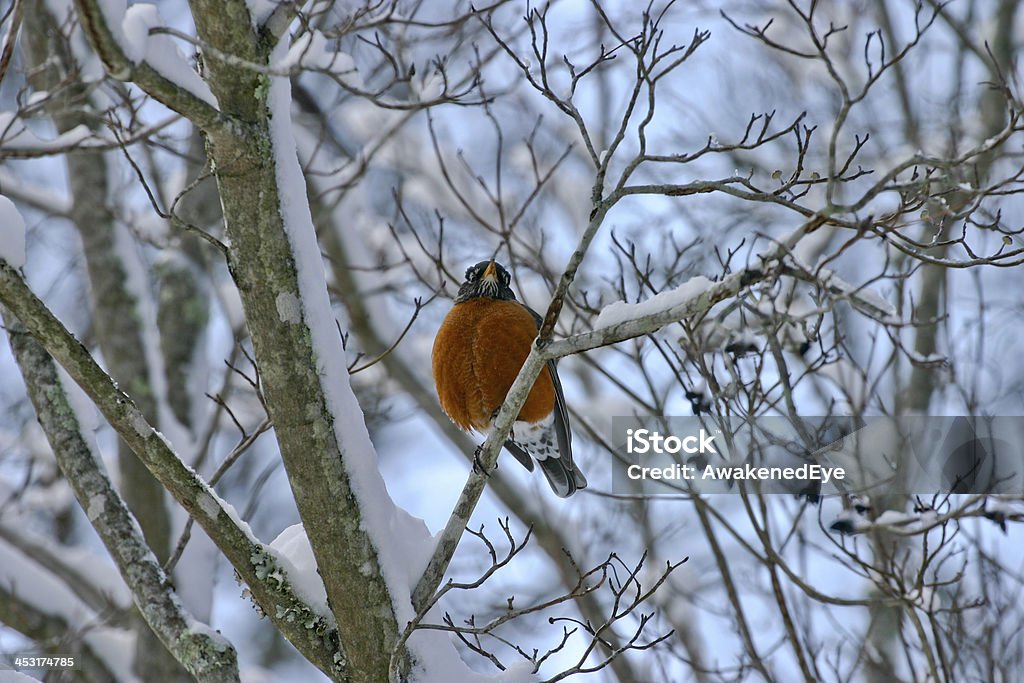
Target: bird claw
{"points": [[478, 465]]}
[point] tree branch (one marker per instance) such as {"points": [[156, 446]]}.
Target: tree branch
{"points": [[120, 67], [205, 654], [306, 630], [488, 454]]}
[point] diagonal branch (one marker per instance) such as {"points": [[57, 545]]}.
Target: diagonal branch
{"points": [[204, 653], [500, 429], [627, 329], [248, 557], [120, 67]]}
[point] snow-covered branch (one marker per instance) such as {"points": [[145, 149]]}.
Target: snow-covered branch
{"points": [[17, 141], [625, 323], [204, 653], [220, 522], [179, 88]]}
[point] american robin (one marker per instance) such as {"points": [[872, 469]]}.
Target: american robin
{"points": [[479, 350]]}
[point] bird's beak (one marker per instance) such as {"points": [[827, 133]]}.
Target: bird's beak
{"points": [[491, 273]]}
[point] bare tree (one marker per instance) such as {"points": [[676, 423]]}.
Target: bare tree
{"points": [[245, 221]]}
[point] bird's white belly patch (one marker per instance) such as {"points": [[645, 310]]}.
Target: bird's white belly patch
{"points": [[537, 438]]}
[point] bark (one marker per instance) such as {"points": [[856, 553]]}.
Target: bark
{"points": [[181, 318], [309, 632], [203, 655], [262, 263]]}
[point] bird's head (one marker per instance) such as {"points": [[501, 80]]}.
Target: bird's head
{"points": [[487, 278]]}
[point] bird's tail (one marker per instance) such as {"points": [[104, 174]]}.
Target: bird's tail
{"points": [[564, 478]]}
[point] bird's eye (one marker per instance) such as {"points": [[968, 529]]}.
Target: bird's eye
{"points": [[471, 273]]}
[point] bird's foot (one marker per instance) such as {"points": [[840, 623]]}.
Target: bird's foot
{"points": [[478, 464]]}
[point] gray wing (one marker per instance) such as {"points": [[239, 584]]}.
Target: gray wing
{"points": [[562, 474]]}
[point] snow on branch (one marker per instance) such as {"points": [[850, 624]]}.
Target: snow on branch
{"points": [[204, 653], [619, 318], [623, 321], [249, 558], [864, 298], [43, 199], [159, 51], [122, 41], [401, 544], [678, 307], [620, 311], [17, 141]]}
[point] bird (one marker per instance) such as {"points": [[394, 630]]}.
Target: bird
{"points": [[478, 352]]}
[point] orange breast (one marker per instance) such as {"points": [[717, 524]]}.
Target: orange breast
{"points": [[478, 352]]}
